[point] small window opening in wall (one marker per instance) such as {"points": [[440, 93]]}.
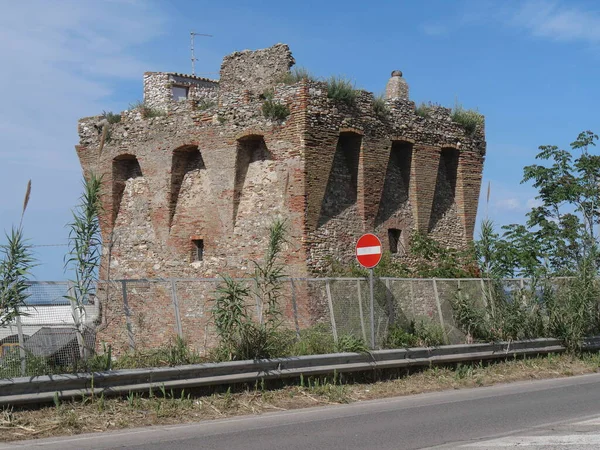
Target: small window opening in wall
{"points": [[180, 93], [197, 250], [394, 238]]}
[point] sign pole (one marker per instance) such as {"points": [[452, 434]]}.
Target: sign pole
{"points": [[372, 310], [368, 255]]}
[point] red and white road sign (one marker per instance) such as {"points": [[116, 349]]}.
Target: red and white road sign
{"points": [[368, 250]]}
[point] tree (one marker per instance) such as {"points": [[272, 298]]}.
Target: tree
{"points": [[559, 237]]}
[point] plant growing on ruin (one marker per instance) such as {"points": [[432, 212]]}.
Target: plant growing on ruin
{"points": [[423, 110], [146, 111], [205, 104], [470, 119], [15, 269], [296, 75], [275, 110], [380, 107], [111, 117], [341, 89]]}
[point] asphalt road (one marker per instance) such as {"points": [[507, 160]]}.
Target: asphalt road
{"points": [[541, 414]]}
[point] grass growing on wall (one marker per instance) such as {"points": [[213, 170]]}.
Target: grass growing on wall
{"points": [[341, 89], [470, 119]]}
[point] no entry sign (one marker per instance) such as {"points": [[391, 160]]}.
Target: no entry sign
{"points": [[368, 250]]}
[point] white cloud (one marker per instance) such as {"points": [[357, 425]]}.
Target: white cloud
{"points": [[533, 203], [510, 204], [560, 21], [61, 60]]}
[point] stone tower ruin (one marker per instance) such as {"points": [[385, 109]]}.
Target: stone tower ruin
{"points": [[195, 175]]}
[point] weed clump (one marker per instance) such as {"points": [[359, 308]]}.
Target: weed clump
{"points": [[341, 89], [146, 111], [470, 119], [274, 110], [111, 117], [296, 75], [380, 108]]}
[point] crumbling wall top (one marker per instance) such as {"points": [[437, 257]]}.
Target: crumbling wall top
{"points": [[255, 71]]}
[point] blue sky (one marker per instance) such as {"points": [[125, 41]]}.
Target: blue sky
{"points": [[530, 66]]}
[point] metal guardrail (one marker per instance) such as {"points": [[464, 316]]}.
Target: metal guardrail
{"points": [[27, 390]]}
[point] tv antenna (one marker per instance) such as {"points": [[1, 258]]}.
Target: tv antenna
{"points": [[194, 59]]}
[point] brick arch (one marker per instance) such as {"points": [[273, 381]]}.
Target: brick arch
{"points": [[185, 159], [124, 167]]}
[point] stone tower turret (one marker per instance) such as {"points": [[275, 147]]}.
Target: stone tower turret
{"points": [[397, 87]]}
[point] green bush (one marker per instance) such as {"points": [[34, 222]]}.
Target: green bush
{"points": [[423, 110], [341, 89], [146, 111], [205, 104], [350, 343], [421, 333], [296, 75], [111, 117], [380, 108], [274, 110], [317, 340], [470, 119]]}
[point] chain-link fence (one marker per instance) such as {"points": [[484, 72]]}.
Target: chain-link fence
{"points": [[50, 332], [138, 315]]}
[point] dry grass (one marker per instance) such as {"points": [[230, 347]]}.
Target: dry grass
{"points": [[100, 414]]}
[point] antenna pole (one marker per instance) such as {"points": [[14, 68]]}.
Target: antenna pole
{"points": [[194, 59]]}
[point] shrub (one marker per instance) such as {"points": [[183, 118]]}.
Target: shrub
{"points": [[380, 108], [350, 343], [296, 75], [205, 104], [423, 110], [111, 117], [470, 119], [341, 89], [274, 110], [146, 111], [316, 340]]}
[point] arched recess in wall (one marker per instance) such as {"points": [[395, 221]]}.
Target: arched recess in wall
{"points": [[124, 167], [251, 151], [394, 196], [342, 185], [185, 159], [445, 186]]}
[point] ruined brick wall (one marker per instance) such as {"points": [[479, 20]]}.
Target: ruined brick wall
{"points": [[218, 173], [255, 71]]}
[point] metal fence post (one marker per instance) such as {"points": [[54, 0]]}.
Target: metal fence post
{"points": [[175, 301], [22, 355], [439, 308], [127, 315], [295, 308], [331, 315]]}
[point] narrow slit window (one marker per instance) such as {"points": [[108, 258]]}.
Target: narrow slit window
{"points": [[197, 250], [394, 239]]}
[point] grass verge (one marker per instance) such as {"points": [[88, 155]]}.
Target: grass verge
{"points": [[97, 414]]}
